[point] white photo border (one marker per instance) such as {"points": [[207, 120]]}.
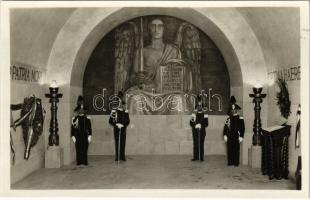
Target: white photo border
{"points": [[5, 102]]}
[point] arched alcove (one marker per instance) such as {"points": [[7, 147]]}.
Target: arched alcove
{"points": [[187, 14], [225, 26], [100, 70]]}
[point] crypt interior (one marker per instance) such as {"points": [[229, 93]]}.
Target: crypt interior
{"points": [[240, 47]]}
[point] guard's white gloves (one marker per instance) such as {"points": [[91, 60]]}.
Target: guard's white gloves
{"points": [[225, 138], [197, 126], [73, 139], [119, 125], [193, 117], [89, 138], [240, 139]]}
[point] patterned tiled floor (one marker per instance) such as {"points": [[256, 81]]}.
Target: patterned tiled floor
{"points": [[152, 172]]}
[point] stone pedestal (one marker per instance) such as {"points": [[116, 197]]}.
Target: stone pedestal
{"points": [[255, 156], [54, 157]]}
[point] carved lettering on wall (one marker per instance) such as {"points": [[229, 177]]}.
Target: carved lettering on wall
{"points": [[26, 73], [287, 74]]}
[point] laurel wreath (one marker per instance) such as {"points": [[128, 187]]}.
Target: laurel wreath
{"points": [[283, 98]]}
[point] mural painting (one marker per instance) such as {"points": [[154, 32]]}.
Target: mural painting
{"points": [[160, 63]]}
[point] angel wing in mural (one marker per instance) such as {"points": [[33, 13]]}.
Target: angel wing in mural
{"points": [[127, 40], [188, 41]]}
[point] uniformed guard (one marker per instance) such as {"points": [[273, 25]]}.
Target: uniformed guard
{"points": [[199, 122], [233, 133], [119, 118], [81, 132]]}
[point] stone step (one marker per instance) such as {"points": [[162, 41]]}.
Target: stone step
{"points": [[158, 135], [214, 134], [172, 134], [215, 147], [164, 148]]}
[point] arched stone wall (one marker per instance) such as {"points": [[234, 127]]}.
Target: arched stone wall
{"points": [[85, 28]]}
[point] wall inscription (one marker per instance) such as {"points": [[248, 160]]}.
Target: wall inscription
{"points": [[26, 74], [171, 78], [287, 74]]}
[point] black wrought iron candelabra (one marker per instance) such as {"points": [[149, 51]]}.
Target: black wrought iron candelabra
{"points": [[257, 126], [53, 139]]}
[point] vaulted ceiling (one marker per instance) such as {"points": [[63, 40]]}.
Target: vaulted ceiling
{"points": [[35, 30]]}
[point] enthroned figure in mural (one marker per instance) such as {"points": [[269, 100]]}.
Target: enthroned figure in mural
{"points": [[155, 55], [159, 78]]}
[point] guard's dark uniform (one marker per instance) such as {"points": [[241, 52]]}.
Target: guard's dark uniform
{"points": [[199, 134], [233, 129], [81, 129], [122, 117]]}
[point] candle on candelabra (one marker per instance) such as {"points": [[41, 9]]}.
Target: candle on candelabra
{"points": [[54, 96], [54, 84], [258, 85]]}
